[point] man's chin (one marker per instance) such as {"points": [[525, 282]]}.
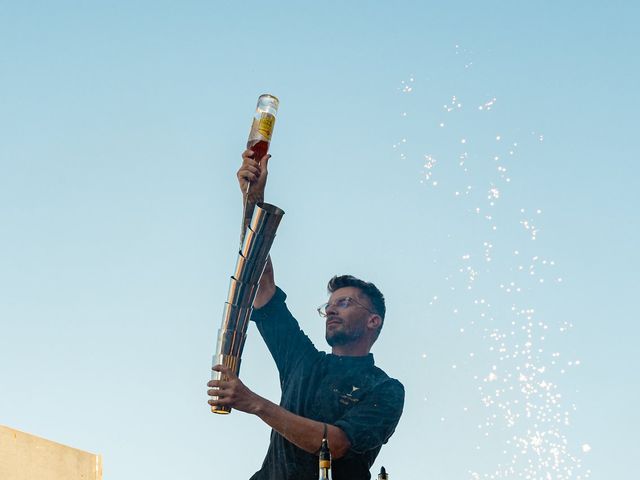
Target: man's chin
{"points": [[336, 339]]}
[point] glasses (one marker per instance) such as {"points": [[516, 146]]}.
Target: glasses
{"points": [[340, 304]]}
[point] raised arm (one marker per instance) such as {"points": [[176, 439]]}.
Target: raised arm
{"points": [[252, 177], [230, 391]]}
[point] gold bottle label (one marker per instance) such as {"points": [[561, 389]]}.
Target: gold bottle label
{"points": [[262, 128]]}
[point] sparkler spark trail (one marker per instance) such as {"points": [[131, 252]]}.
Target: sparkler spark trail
{"points": [[516, 373]]}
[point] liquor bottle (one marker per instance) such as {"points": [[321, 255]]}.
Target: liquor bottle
{"points": [[383, 474], [325, 460], [262, 126], [259, 140]]}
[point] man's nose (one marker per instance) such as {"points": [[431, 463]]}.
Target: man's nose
{"points": [[331, 309]]}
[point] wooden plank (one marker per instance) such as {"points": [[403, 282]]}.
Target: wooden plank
{"points": [[27, 457]]}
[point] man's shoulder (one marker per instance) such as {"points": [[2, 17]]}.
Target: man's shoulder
{"points": [[380, 379]]}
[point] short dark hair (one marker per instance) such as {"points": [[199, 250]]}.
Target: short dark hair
{"points": [[368, 289]]}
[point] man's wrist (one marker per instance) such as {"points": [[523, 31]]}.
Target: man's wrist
{"points": [[253, 196], [260, 405]]}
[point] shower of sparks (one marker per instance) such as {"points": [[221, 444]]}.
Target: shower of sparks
{"points": [[429, 163], [487, 105], [406, 86], [453, 105], [528, 225], [463, 52], [462, 159], [539, 136], [515, 372]]}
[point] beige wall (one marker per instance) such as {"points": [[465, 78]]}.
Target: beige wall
{"points": [[27, 457]]}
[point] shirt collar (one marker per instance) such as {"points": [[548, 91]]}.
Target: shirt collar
{"points": [[352, 362]]}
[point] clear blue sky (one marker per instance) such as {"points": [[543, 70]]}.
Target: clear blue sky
{"points": [[122, 126]]}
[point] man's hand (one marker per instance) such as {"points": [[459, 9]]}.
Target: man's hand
{"points": [[253, 173], [231, 392], [303, 432]]}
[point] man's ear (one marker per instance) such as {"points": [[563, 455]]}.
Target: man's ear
{"points": [[374, 322]]}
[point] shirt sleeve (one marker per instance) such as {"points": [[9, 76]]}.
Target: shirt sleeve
{"points": [[281, 332], [371, 422]]}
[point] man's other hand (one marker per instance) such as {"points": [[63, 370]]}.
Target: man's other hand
{"points": [[231, 392]]}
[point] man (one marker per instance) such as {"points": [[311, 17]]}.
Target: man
{"points": [[342, 394]]}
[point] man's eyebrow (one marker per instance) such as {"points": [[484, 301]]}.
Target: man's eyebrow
{"points": [[343, 297]]}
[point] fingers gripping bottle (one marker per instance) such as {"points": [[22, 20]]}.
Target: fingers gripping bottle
{"points": [[262, 127]]}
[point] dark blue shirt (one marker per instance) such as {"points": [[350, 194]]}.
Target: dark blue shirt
{"points": [[348, 392]]}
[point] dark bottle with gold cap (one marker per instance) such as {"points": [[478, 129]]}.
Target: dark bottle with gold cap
{"points": [[383, 474], [325, 459]]}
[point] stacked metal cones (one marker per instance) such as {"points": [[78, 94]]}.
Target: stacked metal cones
{"points": [[252, 258]]}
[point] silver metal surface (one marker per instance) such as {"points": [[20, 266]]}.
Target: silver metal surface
{"points": [[251, 244], [240, 293], [266, 219], [243, 287], [235, 317], [230, 342], [243, 269]]}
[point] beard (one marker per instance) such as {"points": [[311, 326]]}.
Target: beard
{"points": [[341, 336]]}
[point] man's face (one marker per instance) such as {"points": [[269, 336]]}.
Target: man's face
{"points": [[346, 325]]}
